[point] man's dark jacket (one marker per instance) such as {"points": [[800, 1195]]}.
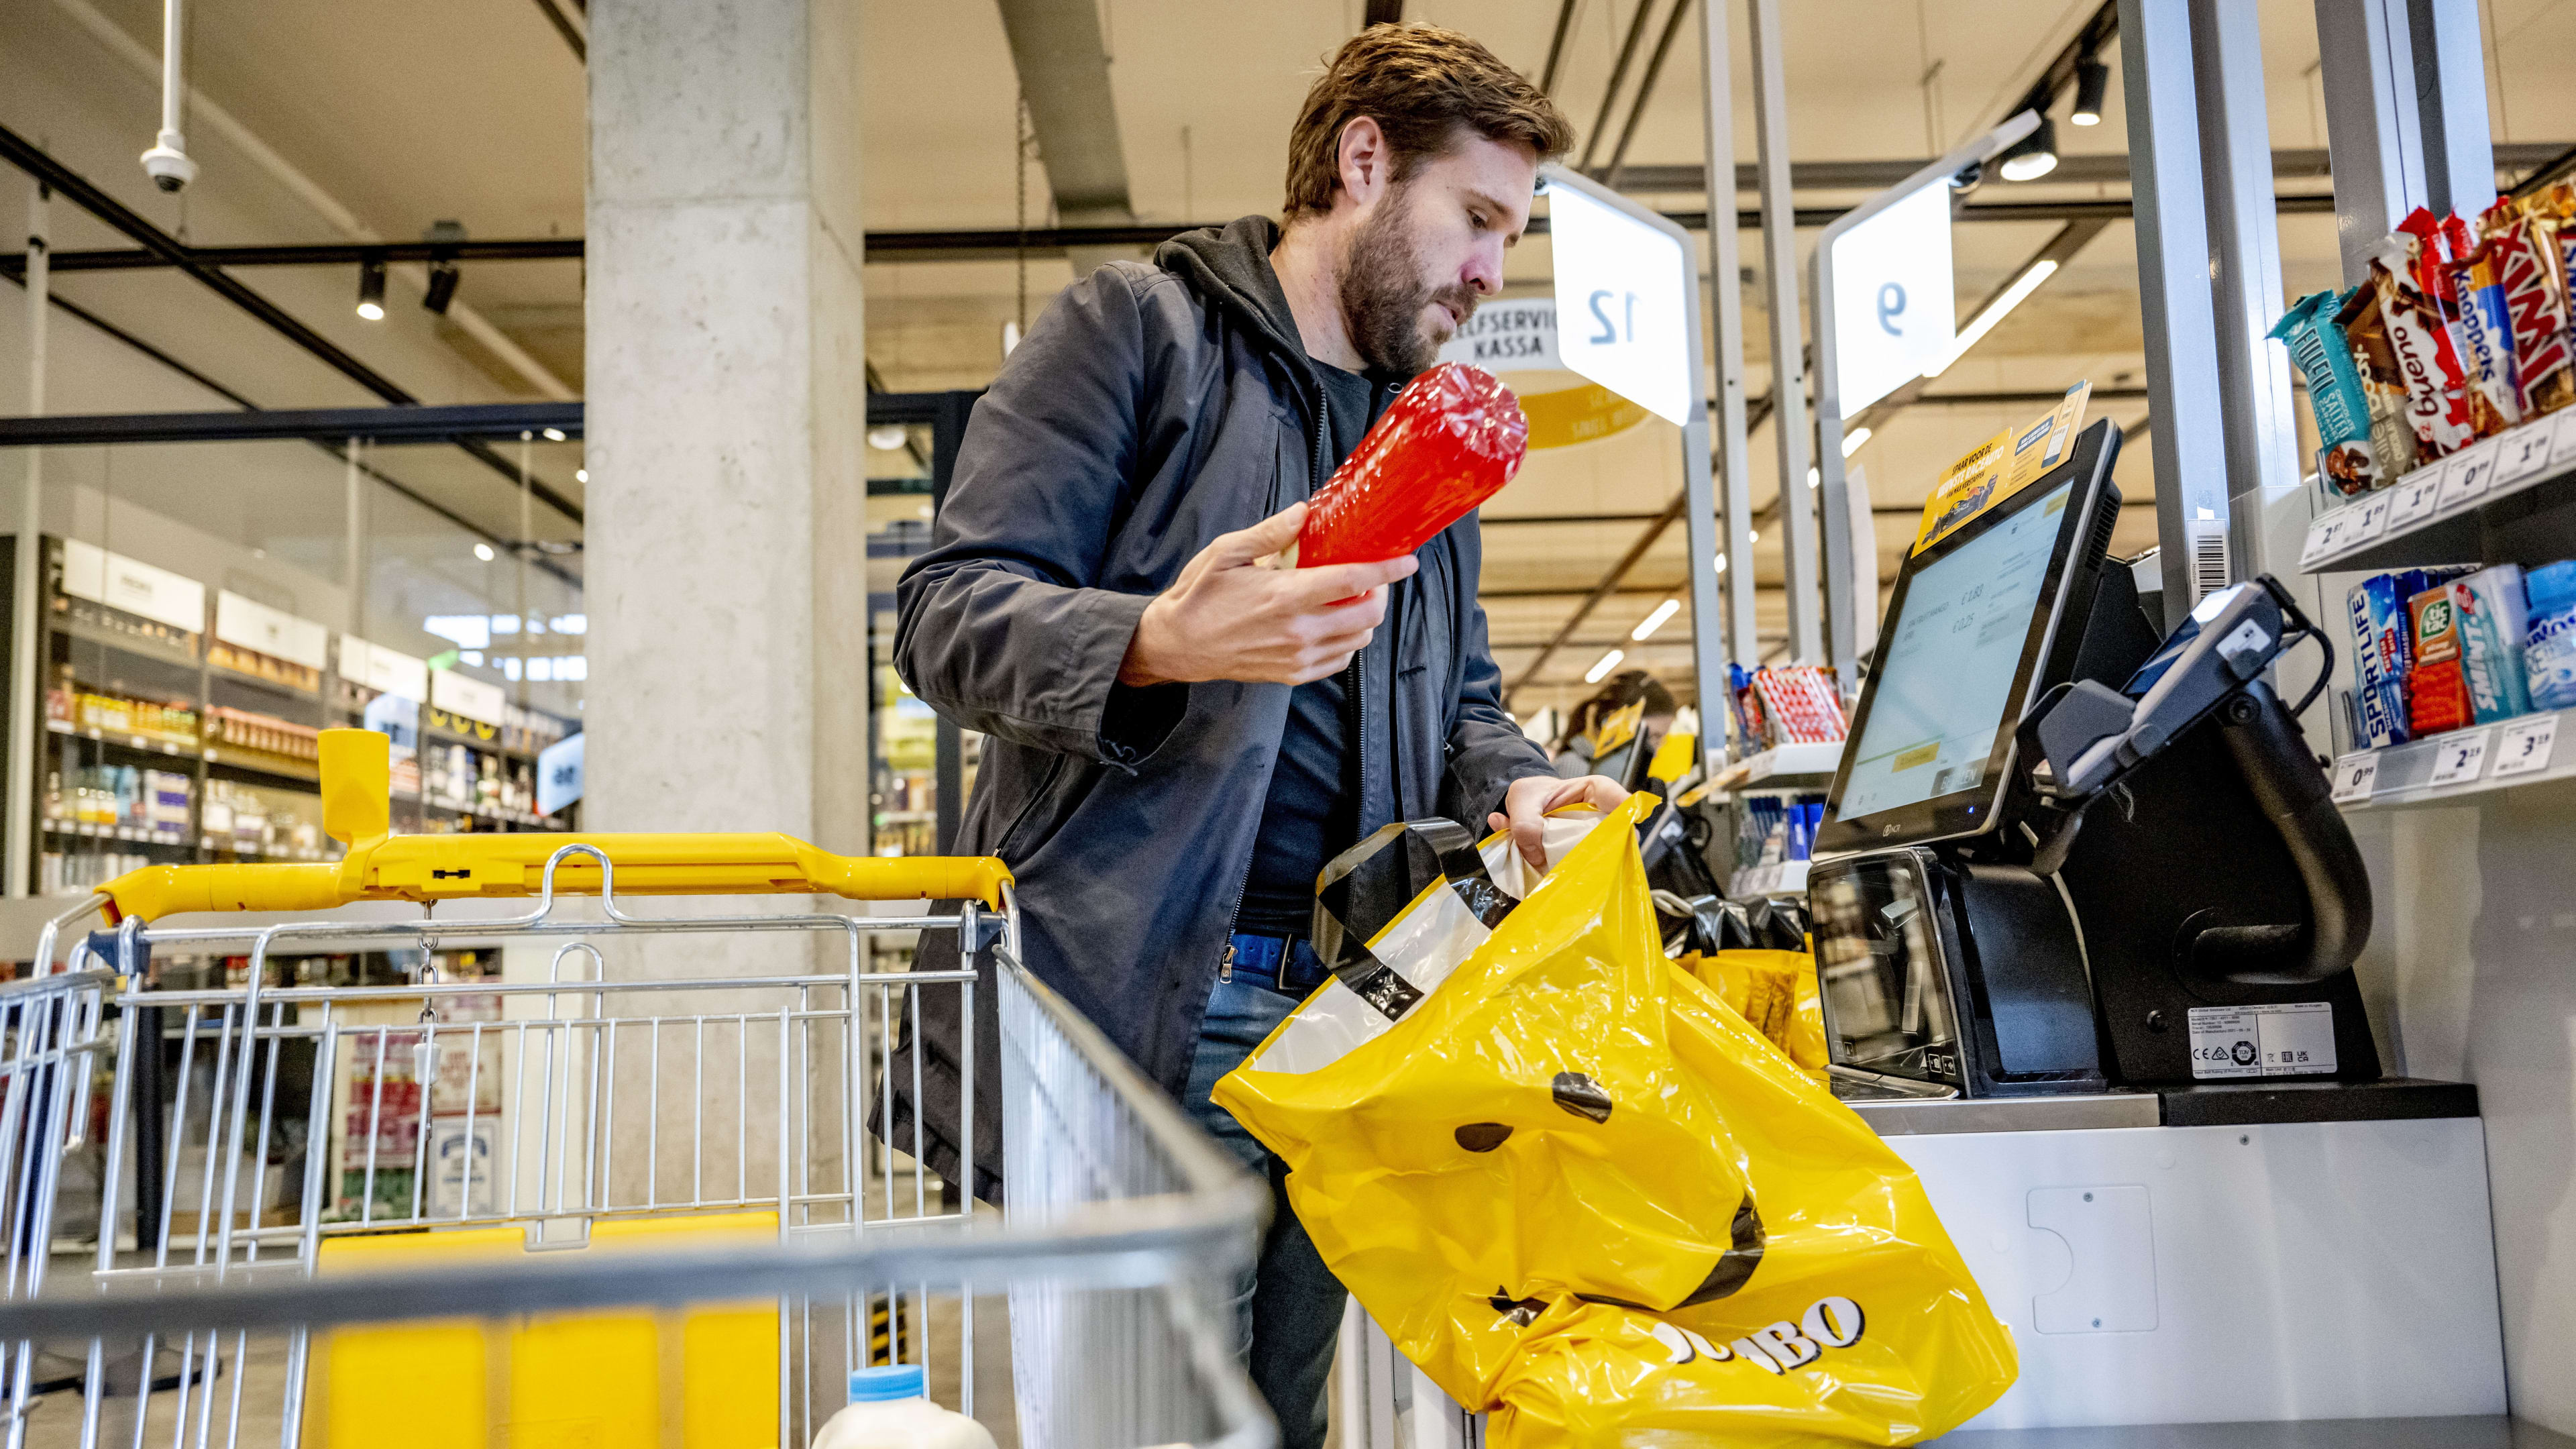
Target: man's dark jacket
{"points": [[1148, 411]]}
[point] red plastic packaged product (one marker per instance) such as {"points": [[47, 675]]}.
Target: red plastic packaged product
{"points": [[2483, 332], [1802, 703], [2437, 691], [1448, 442]]}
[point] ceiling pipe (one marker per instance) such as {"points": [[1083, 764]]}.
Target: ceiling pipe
{"points": [[167, 162], [215, 118]]}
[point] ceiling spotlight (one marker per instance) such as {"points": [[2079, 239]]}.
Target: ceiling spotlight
{"points": [[1721, 563], [371, 290], [483, 551], [1815, 475], [554, 435], [1853, 439], [2034, 155], [443, 278], [2092, 83], [581, 475], [1601, 670], [886, 437], [1655, 620]]}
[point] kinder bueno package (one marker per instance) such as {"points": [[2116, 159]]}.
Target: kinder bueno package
{"points": [[2437, 397], [2346, 463], [2535, 303]]}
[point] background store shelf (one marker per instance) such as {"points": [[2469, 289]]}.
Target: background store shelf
{"points": [[1788, 878], [1785, 765], [2499, 756], [2489, 502]]}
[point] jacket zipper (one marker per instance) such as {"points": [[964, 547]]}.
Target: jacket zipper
{"points": [[1314, 480]]}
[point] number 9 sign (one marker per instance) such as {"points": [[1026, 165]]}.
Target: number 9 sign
{"points": [[1891, 305]]}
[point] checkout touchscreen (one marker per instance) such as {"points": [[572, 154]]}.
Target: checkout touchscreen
{"points": [[1945, 678]]}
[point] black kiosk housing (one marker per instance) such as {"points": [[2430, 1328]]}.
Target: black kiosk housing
{"points": [[2199, 931]]}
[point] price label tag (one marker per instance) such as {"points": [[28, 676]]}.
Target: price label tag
{"points": [[2523, 452], [2417, 495], [2458, 759], [2369, 518], [2562, 444], [2354, 774], [2325, 537], [2522, 747], [2469, 474]]}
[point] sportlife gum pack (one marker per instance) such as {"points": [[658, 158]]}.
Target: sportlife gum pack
{"points": [[2380, 653]]}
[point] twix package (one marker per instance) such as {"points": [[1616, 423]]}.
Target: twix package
{"points": [[2534, 284], [2437, 404]]}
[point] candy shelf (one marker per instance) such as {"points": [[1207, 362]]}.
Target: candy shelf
{"points": [[1791, 764], [2441, 769], [1787, 878], [2479, 503]]}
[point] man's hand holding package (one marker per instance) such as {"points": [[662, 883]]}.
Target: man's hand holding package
{"points": [[1527, 801], [1228, 617]]}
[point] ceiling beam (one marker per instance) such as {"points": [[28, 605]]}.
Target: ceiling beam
{"points": [[1063, 66], [2093, 168]]}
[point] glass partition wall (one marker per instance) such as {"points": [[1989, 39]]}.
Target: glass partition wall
{"points": [[205, 608]]}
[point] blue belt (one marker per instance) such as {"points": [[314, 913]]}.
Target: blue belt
{"points": [[1285, 964]]}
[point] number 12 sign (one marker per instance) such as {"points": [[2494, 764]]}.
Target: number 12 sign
{"points": [[1621, 302]]}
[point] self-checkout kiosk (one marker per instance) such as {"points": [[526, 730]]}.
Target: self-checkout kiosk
{"points": [[2084, 921]]}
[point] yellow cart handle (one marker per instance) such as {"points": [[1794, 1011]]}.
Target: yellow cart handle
{"points": [[427, 868]]}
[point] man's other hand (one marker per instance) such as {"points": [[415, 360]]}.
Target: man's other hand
{"points": [[1227, 617], [1526, 803]]}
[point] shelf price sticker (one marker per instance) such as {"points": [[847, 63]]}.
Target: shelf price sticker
{"points": [[2562, 442], [2416, 497], [2326, 536], [2354, 774], [2469, 474], [2369, 518], [2522, 747], [2523, 452], [2458, 759]]}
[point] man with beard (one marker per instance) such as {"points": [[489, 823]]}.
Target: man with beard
{"points": [[1177, 738]]}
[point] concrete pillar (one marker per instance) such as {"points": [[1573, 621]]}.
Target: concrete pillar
{"points": [[726, 549], [725, 556]]}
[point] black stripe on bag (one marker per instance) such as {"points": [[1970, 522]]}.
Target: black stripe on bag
{"points": [[1369, 863], [1734, 1267]]}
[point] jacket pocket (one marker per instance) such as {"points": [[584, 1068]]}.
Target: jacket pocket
{"points": [[1009, 844]]}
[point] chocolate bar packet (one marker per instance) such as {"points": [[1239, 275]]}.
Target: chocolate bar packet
{"points": [[2483, 331], [2437, 402], [2383, 383], [2439, 242], [2544, 322], [2346, 463]]}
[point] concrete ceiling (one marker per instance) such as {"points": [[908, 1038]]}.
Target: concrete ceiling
{"points": [[473, 110]]}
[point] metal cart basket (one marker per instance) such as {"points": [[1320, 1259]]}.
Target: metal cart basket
{"points": [[646, 1188]]}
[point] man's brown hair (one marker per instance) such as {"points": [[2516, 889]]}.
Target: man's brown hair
{"points": [[1421, 84]]}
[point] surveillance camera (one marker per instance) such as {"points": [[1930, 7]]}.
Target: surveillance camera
{"points": [[1969, 176], [167, 165]]}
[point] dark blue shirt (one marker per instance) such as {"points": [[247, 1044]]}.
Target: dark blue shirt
{"points": [[1307, 818]]}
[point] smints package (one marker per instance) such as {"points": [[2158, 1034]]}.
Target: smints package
{"points": [[2345, 460], [2493, 618], [2549, 643]]}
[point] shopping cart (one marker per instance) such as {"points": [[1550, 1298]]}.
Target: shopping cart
{"points": [[614, 1197]]}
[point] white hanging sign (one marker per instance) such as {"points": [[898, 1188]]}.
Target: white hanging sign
{"points": [[559, 775], [1893, 310], [384, 670], [462, 694], [92, 573], [250, 624], [1621, 303]]}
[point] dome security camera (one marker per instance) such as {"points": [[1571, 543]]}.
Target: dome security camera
{"points": [[167, 165]]}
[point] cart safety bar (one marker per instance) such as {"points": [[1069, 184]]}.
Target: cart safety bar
{"points": [[381, 866]]}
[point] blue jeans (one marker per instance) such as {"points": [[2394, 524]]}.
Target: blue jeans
{"points": [[1288, 1309]]}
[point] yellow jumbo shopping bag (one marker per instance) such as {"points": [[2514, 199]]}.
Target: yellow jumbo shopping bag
{"points": [[1585, 1196], [1775, 993]]}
